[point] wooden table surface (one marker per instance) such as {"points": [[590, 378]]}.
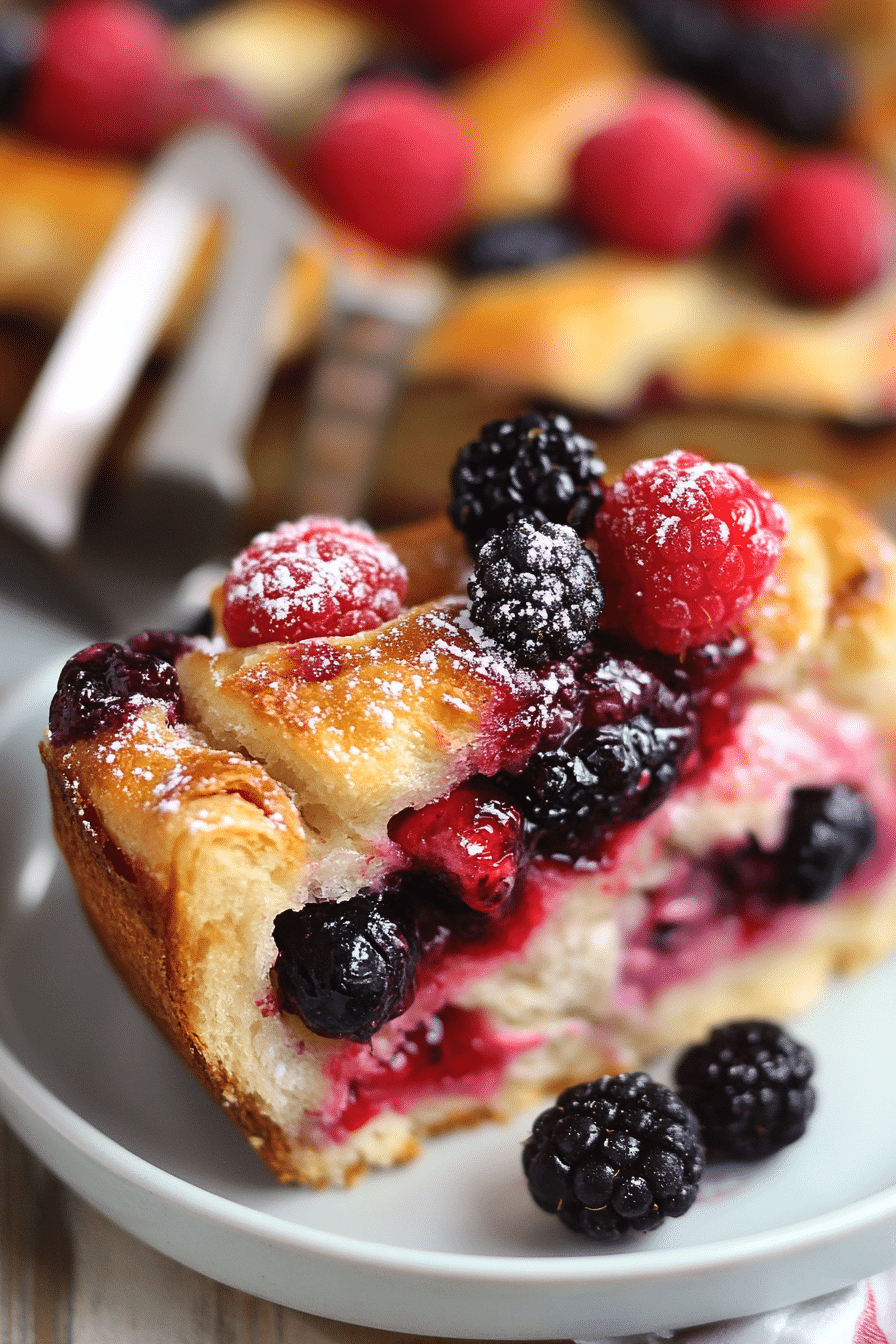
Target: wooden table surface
{"points": [[69, 1276]]}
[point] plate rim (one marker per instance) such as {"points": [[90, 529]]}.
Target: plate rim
{"points": [[875, 1213]]}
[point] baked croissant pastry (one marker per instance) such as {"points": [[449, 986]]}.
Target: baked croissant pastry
{"points": [[379, 870]]}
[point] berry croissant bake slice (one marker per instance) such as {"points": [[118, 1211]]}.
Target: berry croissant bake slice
{"points": [[381, 870]]}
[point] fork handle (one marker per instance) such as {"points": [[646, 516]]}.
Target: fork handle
{"points": [[353, 387]]}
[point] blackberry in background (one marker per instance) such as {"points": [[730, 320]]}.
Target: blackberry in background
{"points": [[19, 42], [829, 832], [518, 244], [789, 82], [690, 40], [748, 1085], [535, 467], [617, 1155]]}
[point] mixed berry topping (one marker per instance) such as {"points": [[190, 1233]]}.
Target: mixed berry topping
{"points": [[166, 645], [101, 78], [319, 576], [535, 467], [347, 967], [635, 736], [660, 180], [472, 839], [393, 160], [825, 229], [536, 592], [101, 687], [829, 833], [620, 1154], [519, 243], [748, 1085], [685, 546]]}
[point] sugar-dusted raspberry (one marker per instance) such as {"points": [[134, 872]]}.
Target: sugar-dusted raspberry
{"points": [[826, 228], [319, 576], [467, 32], [660, 180], [394, 161], [102, 75], [472, 840], [685, 547]]}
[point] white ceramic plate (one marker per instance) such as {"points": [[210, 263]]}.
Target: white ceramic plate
{"points": [[452, 1244]]}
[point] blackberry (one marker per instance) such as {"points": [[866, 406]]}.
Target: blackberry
{"points": [[517, 244], [167, 645], [100, 687], [791, 83], [535, 467], [619, 1154], [689, 39], [536, 592], [635, 735], [346, 967], [19, 43], [829, 833], [748, 1085]]}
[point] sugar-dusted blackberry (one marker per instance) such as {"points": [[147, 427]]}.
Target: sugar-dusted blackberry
{"points": [[103, 685], [748, 1085], [688, 39], [518, 243], [617, 1155], [635, 735], [536, 591], [829, 832], [535, 467], [346, 967], [788, 80]]}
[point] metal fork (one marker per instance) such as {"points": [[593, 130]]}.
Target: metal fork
{"points": [[188, 461]]}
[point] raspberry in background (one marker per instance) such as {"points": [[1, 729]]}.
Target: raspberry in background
{"points": [[685, 546], [394, 161], [660, 180], [468, 32], [825, 230], [318, 576], [202, 99], [102, 76]]}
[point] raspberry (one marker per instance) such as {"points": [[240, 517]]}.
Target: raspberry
{"points": [[685, 547], [101, 78], [318, 576], [346, 967], [616, 1155], [535, 591], [534, 467], [748, 1085], [103, 685], [619, 765], [659, 181], [826, 228], [829, 833], [472, 840], [205, 98], [394, 161], [467, 32]]}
